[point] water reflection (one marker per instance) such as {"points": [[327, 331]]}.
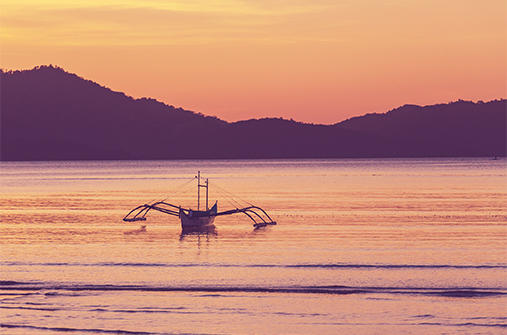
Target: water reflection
{"points": [[141, 230], [198, 231]]}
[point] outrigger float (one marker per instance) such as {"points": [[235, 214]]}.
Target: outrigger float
{"points": [[195, 219]]}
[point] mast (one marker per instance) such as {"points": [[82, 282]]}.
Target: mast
{"points": [[199, 190], [207, 209]]}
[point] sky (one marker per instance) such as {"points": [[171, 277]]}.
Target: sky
{"points": [[314, 61]]}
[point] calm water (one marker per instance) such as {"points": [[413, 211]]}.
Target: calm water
{"points": [[390, 246]]}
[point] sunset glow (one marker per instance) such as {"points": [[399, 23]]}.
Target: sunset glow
{"points": [[318, 61]]}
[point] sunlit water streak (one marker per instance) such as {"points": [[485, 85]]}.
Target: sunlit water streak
{"points": [[361, 246]]}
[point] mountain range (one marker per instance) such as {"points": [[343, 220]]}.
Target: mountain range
{"points": [[50, 114]]}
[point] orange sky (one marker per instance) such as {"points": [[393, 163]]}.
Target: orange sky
{"points": [[318, 61]]}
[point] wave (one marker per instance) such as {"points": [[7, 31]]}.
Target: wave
{"points": [[219, 265], [466, 324], [456, 292], [81, 330], [126, 332]]}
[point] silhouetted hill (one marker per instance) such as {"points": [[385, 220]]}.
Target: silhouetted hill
{"points": [[461, 128], [50, 114]]}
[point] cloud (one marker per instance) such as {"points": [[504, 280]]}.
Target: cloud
{"points": [[153, 22]]}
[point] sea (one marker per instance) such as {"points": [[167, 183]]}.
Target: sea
{"points": [[361, 246]]}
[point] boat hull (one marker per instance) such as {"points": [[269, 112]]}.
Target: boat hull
{"points": [[204, 221], [196, 219]]}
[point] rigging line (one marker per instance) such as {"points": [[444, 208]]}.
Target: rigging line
{"points": [[226, 196], [235, 198], [231, 195], [178, 189], [172, 192], [236, 205]]}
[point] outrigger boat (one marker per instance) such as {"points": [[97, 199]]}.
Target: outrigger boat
{"points": [[191, 219]]}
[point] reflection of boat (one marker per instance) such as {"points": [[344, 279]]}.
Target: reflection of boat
{"points": [[196, 218], [198, 232]]}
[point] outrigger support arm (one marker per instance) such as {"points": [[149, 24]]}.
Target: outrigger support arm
{"points": [[252, 214], [144, 209], [139, 213]]}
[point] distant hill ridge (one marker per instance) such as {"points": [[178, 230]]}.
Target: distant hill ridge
{"points": [[50, 114]]}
